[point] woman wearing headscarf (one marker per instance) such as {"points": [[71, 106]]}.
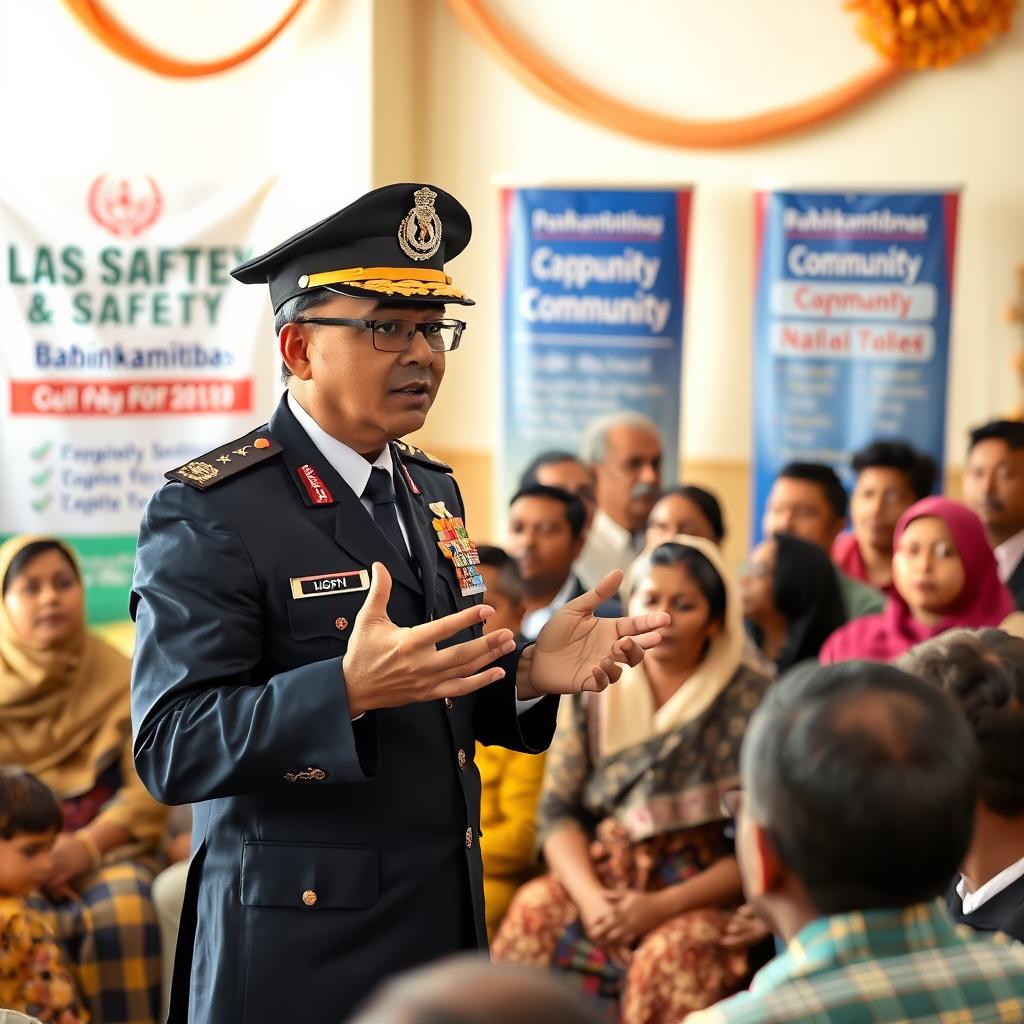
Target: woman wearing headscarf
{"points": [[944, 574], [641, 870], [791, 600], [64, 715]]}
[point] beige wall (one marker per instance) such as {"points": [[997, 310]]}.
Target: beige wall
{"points": [[473, 123]]}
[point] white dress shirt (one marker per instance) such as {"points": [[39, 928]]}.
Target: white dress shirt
{"points": [[994, 886], [609, 546], [535, 621], [1008, 555]]}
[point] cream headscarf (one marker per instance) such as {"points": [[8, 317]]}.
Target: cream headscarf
{"points": [[625, 712], [65, 713]]}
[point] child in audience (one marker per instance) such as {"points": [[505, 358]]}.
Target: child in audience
{"points": [[509, 781], [944, 574], [984, 672], [34, 978]]}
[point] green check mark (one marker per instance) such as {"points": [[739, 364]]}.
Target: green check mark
{"points": [[40, 453], [42, 503], [41, 478]]}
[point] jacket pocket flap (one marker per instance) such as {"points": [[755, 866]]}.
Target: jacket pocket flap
{"points": [[308, 876]]}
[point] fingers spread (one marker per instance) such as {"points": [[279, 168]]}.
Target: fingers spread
{"points": [[471, 655], [607, 588], [634, 625], [462, 685], [432, 633]]}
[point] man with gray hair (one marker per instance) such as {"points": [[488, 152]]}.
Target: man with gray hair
{"points": [[624, 451], [857, 810]]}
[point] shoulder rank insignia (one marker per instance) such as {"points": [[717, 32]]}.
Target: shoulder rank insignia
{"points": [[415, 454], [226, 461]]}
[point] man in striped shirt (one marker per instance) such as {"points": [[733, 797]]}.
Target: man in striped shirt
{"points": [[857, 811]]}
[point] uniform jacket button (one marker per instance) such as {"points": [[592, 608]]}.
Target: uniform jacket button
{"points": [[309, 898], [469, 838], [462, 759]]}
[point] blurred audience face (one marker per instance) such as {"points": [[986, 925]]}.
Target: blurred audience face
{"points": [[800, 507], [757, 582], [673, 590], [25, 862], [994, 487], [540, 539], [629, 477], [571, 476], [880, 496], [927, 569], [508, 614], [674, 515], [45, 601]]}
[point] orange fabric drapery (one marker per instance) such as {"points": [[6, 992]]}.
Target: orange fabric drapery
{"points": [[565, 90], [109, 31]]}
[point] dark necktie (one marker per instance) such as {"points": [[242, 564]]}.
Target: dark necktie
{"points": [[380, 492]]}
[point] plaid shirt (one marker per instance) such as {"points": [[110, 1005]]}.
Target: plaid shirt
{"points": [[883, 965]]}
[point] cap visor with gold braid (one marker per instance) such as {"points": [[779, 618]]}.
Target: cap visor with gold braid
{"points": [[391, 243]]}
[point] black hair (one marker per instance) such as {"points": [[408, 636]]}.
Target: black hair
{"points": [[918, 467], [701, 570], [27, 805], [1010, 431], [552, 457], [864, 778], [825, 477], [984, 673], [709, 505], [292, 310], [510, 581], [806, 593], [34, 550], [575, 510]]}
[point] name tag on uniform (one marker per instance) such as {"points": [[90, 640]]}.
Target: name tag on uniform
{"points": [[330, 583]]}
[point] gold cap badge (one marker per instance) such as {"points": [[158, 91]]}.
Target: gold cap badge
{"points": [[419, 234]]}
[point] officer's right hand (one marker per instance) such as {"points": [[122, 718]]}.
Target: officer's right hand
{"points": [[388, 666]]}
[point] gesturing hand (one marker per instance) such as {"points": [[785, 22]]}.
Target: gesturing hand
{"points": [[576, 651], [387, 666]]}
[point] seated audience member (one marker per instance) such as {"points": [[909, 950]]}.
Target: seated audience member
{"points": [[891, 476], [64, 715], [944, 575], [984, 673], [624, 452], [470, 990], [857, 809], [34, 975], [545, 535], [642, 873], [791, 600], [689, 510], [509, 781], [808, 501], [994, 488], [564, 470]]}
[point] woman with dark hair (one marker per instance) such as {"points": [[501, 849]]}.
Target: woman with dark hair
{"points": [[64, 715], [791, 600], [641, 869], [690, 511]]}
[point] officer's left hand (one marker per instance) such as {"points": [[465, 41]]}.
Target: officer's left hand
{"points": [[576, 651]]}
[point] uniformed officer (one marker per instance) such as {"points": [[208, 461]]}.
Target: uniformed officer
{"points": [[310, 668]]}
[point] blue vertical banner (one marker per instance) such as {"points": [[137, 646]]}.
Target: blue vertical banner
{"points": [[852, 316], [593, 316]]}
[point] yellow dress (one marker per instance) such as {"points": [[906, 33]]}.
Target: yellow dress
{"points": [[34, 977], [509, 790]]}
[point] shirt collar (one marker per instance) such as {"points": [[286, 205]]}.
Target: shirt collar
{"points": [[611, 532], [993, 887], [1009, 554], [533, 622], [346, 462]]}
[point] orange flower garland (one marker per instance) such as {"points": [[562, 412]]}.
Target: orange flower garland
{"points": [[922, 34]]}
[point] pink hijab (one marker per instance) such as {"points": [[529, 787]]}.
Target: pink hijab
{"points": [[983, 601]]}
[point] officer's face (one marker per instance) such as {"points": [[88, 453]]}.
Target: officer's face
{"points": [[358, 394]]}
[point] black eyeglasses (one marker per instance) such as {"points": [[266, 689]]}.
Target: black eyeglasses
{"points": [[397, 335]]}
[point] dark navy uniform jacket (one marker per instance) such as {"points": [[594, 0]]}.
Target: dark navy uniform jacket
{"points": [[328, 854]]}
